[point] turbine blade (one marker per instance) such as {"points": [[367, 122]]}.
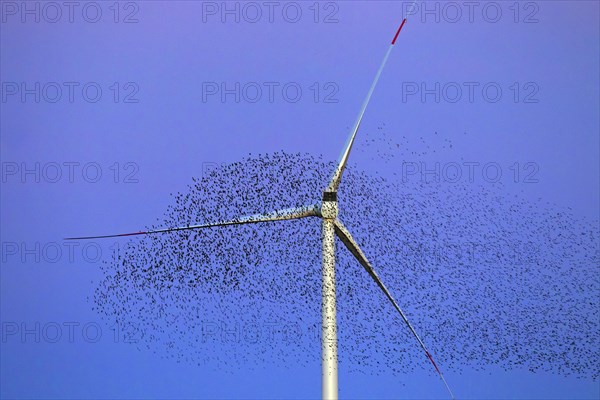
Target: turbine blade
{"points": [[280, 215], [346, 238], [337, 174]]}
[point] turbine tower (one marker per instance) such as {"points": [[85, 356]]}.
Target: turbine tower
{"points": [[327, 210]]}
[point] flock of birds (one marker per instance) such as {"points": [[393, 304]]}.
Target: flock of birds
{"points": [[485, 278], [388, 148]]}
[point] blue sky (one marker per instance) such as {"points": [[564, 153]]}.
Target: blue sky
{"points": [[158, 122]]}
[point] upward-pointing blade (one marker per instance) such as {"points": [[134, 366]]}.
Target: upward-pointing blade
{"points": [[337, 174], [351, 244], [280, 215]]}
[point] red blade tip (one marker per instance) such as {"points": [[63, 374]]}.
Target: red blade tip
{"points": [[398, 31], [433, 362]]}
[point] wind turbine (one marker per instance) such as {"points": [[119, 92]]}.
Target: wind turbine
{"points": [[327, 210]]}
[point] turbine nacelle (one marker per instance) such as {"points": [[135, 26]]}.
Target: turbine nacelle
{"points": [[329, 206]]}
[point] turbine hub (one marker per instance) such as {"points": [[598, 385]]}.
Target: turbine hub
{"points": [[329, 206]]}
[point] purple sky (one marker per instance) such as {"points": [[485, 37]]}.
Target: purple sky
{"points": [[169, 58]]}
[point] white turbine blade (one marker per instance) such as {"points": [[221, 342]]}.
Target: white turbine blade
{"points": [[337, 174], [280, 215], [351, 244]]}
